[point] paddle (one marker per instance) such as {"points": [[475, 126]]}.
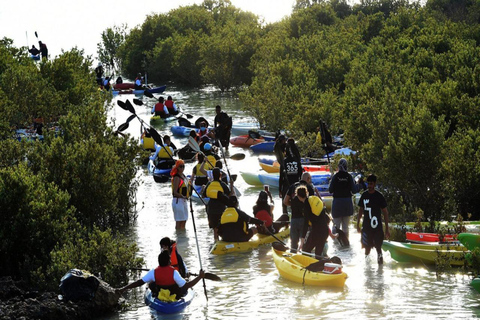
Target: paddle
{"points": [[208, 275], [281, 246], [36, 34], [225, 160], [198, 247]]}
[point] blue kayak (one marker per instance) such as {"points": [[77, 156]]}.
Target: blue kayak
{"points": [[272, 179], [137, 92], [182, 131], [169, 307], [264, 147], [159, 175]]}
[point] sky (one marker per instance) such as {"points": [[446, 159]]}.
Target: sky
{"points": [[64, 24]]}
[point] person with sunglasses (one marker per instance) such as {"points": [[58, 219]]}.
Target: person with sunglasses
{"points": [[181, 193]]}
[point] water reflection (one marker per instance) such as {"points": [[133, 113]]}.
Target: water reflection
{"points": [[252, 287]]}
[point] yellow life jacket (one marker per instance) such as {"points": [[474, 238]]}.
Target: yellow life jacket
{"points": [[213, 188], [148, 143], [210, 164], [316, 204], [164, 154], [230, 215], [199, 173]]}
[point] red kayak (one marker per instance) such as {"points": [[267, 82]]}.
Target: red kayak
{"points": [[245, 141], [124, 86], [430, 237]]}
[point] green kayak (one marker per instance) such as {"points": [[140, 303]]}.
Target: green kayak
{"points": [[425, 254], [476, 284], [469, 240]]}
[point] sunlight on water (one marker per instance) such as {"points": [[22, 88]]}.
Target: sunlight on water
{"points": [[252, 287]]}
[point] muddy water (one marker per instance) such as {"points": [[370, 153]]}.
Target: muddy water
{"points": [[252, 287]]}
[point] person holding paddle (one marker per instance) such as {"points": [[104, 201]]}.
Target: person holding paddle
{"points": [[159, 109], [181, 193], [175, 258], [164, 277], [171, 106]]}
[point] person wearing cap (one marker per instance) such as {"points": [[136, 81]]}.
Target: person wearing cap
{"points": [[317, 219], [159, 109], [171, 106], [175, 258], [216, 190], [210, 160], [180, 193], [234, 223], [342, 187]]}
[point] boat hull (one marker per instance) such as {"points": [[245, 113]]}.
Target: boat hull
{"points": [[292, 267], [169, 307], [223, 247]]}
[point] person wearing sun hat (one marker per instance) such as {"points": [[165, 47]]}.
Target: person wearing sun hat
{"points": [[180, 193]]}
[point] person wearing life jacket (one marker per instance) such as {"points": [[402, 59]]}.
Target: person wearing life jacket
{"points": [[159, 109], [234, 223], [199, 177], [203, 132], [163, 156], [263, 210], [106, 84], [139, 82], [164, 277], [176, 259], [216, 190], [211, 158], [171, 106], [318, 220], [180, 193]]}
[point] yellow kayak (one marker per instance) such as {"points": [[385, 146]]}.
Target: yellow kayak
{"points": [[223, 247], [275, 168], [292, 266]]}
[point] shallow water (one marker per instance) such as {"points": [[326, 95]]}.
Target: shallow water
{"points": [[252, 287]]}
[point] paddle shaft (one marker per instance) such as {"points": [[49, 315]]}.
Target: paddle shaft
{"points": [[302, 252], [198, 247]]}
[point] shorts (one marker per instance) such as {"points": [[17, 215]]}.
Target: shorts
{"points": [[372, 238], [180, 209]]}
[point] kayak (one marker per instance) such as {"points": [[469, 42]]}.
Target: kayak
{"points": [[251, 178], [245, 141], [159, 175], [429, 237], [159, 120], [263, 147], [292, 266], [272, 179], [182, 131], [124, 86], [137, 92], [169, 307], [243, 128], [424, 253], [223, 247], [469, 240], [275, 167], [476, 284], [35, 57]]}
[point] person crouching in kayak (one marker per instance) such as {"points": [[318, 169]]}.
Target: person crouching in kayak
{"points": [[164, 277], [176, 259], [234, 223], [316, 216], [159, 109]]}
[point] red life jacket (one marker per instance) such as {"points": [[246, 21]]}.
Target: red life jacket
{"points": [[265, 217], [173, 257], [159, 108], [169, 104], [164, 276]]}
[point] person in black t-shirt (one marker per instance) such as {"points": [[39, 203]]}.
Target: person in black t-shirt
{"points": [[371, 205]]}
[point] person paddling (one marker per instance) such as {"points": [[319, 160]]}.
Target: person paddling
{"points": [[171, 106], [34, 51], [159, 109], [164, 277]]}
